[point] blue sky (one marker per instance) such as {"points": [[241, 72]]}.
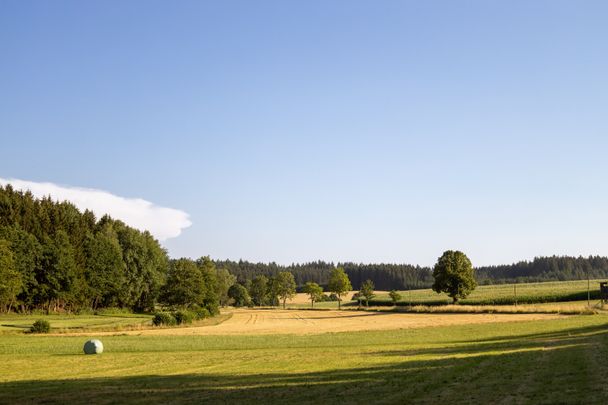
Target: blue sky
{"points": [[339, 130]]}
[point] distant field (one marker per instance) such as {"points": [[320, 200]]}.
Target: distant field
{"points": [[535, 362], [65, 323], [503, 294]]}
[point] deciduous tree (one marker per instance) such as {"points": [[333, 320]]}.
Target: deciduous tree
{"points": [[314, 291], [258, 290], [367, 291], [10, 279], [453, 275], [239, 295], [286, 286], [339, 284], [395, 296]]}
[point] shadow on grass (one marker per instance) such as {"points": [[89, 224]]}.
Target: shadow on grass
{"points": [[533, 368]]}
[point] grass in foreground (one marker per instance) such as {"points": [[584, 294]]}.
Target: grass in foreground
{"points": [[556, 361]]}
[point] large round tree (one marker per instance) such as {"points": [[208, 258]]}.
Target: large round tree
{"points": [[453, 275]]}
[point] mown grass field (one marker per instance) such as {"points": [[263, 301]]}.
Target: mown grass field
{"points": [[503, 294], [66, 323], [536, 362]]}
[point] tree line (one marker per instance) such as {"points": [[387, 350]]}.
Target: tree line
{"points": [[276, 290], [552, 268], [384, 276], [55, 258], [403, 276]]}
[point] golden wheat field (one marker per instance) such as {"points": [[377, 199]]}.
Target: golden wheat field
{"points": [[278, 321]]}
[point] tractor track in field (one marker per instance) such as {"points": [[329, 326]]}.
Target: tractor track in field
{"points": [[301, 322]]}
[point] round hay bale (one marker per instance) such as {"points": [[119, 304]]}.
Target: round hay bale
{"points": [[93, 347]]}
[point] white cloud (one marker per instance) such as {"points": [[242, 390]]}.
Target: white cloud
{"points": [[162, 222]]}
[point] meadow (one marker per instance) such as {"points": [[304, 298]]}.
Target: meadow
{"points": [[535, 355], [503, 294], [559, 360], [15, 323]]}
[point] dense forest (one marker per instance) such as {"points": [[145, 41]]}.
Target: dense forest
{"points": [[553, 268], [55, 258]]}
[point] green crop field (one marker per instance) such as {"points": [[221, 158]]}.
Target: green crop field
{"points": [[508, 294], [536, 362]]}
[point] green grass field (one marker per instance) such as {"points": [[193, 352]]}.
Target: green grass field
{"points": [[540, 362], [63, 323], [504, 294]]}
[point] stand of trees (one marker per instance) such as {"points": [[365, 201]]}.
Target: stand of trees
{"points": [[553, 268], [55, 258], [384, 276], [404, 277]]}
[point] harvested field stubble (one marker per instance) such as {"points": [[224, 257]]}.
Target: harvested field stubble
{"points": [[268, 322]]}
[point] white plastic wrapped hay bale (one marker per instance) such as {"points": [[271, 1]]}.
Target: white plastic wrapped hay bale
{"points": [[93, 346]]}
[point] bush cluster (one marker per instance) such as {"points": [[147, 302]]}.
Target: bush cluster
{"points": [[327, 298], [41, 326], [164, 319], [181, 316]]}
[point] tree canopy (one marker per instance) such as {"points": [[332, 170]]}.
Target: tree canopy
{"points": [[314, 291], [366, 291], [339, 284], [56, 258], [453, 275], [285, 286]]}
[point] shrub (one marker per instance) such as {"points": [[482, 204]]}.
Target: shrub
{"points": [[163, 318], [183, 317], [213, 309], [333, 297], [324, 298], [41, 326], [201, 313]]}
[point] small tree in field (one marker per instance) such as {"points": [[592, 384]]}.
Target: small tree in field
{"points": [[339, 283], [395, 296], [453, 275], [314, 291], [366, 291], [286, 286]]}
